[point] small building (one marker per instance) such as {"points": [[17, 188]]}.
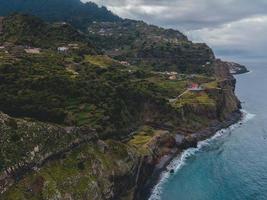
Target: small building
{"points": [[32, 50], [125, 63], [170, 73], [172, 77], [63, 49], [73, 46], [102, 31], [195, 87]]}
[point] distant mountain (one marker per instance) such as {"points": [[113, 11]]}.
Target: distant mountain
{"points": [[73, 11]]}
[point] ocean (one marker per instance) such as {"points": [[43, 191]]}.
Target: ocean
{"points": [[232, 165]]}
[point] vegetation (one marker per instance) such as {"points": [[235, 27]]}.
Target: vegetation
{"points": [[86, 165], [80, 91], [101, 61], [31, 31], [150, 47], [141, 139], [79, 14]]}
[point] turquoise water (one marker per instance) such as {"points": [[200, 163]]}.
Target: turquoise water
{"points": [[233, 164]]}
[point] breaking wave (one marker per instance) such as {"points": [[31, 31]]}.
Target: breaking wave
{"points": [[180, 161]]}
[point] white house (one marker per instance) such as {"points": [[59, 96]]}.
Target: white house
{"points": [[125, 63], [63, 49], [32, 50]]}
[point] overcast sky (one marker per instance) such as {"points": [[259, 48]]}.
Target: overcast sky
{"points": [[236, 28]]}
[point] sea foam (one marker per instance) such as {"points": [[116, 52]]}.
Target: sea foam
{"points": [[179, 162]]}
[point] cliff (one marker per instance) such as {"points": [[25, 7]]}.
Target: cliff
{"points": [[236, 68], [59, 163], [81, 124]]}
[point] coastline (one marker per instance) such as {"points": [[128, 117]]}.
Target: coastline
{"points": [[146, 191]]}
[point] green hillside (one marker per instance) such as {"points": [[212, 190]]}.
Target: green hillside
{"points": [[72, 11], [150, 46]]}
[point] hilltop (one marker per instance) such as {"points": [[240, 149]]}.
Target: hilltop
{"points": [[150, 46], [21, 29], [74, 12]]}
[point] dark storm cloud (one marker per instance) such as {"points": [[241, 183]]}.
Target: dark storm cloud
{"points": [[229, 26]]}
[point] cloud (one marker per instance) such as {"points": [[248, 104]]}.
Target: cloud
{"points": [[186, 14], [229, 26], [245, 37]]}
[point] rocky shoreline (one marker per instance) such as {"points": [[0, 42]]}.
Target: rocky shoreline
{"points": [[184, 143]]}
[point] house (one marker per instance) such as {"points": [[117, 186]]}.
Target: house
{"points": [[172, 77], [195, 87], [32, 50], [73, 46], [170, 73], [63, 49], [125, 63], [102, 31]]}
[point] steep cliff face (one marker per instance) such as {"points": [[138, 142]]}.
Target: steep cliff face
{"points": [[228, 102], [222, 114]]}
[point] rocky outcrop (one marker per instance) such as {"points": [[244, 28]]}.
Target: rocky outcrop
{"points": [[236, 68], [226, 98]]}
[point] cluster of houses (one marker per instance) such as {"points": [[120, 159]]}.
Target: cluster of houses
{"points": [[194, 87], [8, 47], [19, 49], [171, 75]]}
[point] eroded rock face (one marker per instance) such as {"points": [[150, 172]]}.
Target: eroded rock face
{"points": [[227, 102]]}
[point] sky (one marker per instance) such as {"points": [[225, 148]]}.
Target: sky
{"points": [[235, 29]]}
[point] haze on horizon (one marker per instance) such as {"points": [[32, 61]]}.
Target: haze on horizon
{"points": [[235, 29]]}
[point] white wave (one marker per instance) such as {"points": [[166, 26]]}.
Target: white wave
{"points": [[246, 116], [179, 162], [250, 72]]}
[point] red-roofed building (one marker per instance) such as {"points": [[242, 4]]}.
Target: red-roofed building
{"points": [[195, 87]]}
